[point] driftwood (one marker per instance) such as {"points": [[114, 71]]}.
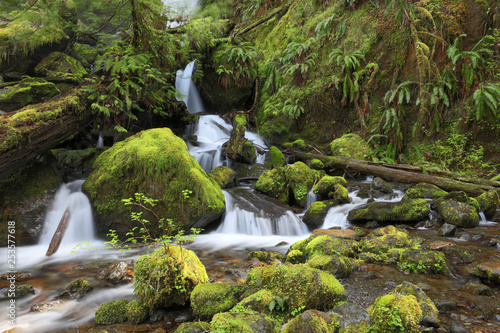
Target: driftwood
{"points": [[400, 175], [59, 234]]}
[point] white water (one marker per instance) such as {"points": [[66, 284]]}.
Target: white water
{"points": [[100, 141], [189, 94], [311, 198]]}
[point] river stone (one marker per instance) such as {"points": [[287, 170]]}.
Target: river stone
{"points": [[476, 289], [211, 298], [488, 270], [447, 230], [353, 317], [157, 163], [460, 196], [424, 261], [28, 91], [338, 265], [424, 190], [327, 186], [312, 321], [46, 306], [336, 233], [224, 176], [242, 322], [77, 289], [458, 213], [405, 212], [350, 145], [21, 291], [112, 312], [403, 309], [456, 327], [381, 185], [315, 214], [196, 327], [77, 160], [430, 314], [276, 157], [489, 203]]}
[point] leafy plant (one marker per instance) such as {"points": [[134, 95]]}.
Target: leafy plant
{"points": [[236, 64], [486, 102], [298, 59], [292, 108], [272, 77]]}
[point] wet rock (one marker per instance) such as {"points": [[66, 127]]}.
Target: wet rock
{"points": [[459, 196], [424, 286], [338, 265], [405, 212], [337, 233], [183, 318], [381, 185], [489, 203], [276, 157], [458, 255], [19, 291], [353, 317], [424, 190], [382, 239], [311, 321], [197, 327], [78, 161], [458, 213], [456, 327], [315, 214], [116, 272], [424, 261], [244, 322], [157, 315], [478, 238], [447, 230], [445, 305], [328, 185], [430, 314], [46, 306], [328, 245], [390, 309], [77, 289], [224, 176], [476, 289], [112, 312], [212, 298], [19, 276], [488, 270], [262, 301]]}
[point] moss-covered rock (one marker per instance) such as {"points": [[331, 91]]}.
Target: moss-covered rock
{"points": [[224, 176], [489, 203], [424, 190], [85, 53], [381, 240], [20, 291], [212, 298], [249, 153], [163, 279], [315, 214], [77, 289], [352, 317], [460, 196], [242, 322], [458, 213], [316, 164], [28, 91], [338, 265], [328, 185], [157, 163], [308, 287], [312, 321], [297, 144], [289, 184], [260, 302], [328, 245], [458, 255], [350, 145], [112, 312], [488, 270], [423, 261], [430, 314], [295, 257], [60, 64], [395, 313], [136, 312], [381, 185], [78, 160], [266, 256], [405, 212], [276, 157], [193, 327]]}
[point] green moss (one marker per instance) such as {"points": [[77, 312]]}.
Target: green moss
{"points": [[297, 144], [136, 312], [312, 321], [80, 287], [338, 265], [60, 64], [496, 178], [163, 279], [350, 145], [300, 245], [408, 211], [212, 298], [259, 302], [328, 245], [274, 184], [395, 313], [196, 327], [249, 153], [424, 190], [430, 314], [112, 312], [316, 208], [422, 261], [381, 240], [276, 156], [316, 164], [489, 202], [28, 91], [295, 257], [85, 53], [83, 158], [241, 322], [223, 176]]}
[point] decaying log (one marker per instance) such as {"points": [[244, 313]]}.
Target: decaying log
{"points": [[399, 175], [34, 129], [59, 234]]}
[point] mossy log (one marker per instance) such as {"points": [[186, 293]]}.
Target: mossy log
{"points": [[392, 173], [34, 129]]}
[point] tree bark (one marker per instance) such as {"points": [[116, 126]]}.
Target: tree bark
{"points": [[393, 173], [59, 234]]}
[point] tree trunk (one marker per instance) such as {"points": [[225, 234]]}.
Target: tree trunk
{"points": [[59, 234]]}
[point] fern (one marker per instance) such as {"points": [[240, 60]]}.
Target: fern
{"points": [[236, 64], [292, 108], [486, 102]]}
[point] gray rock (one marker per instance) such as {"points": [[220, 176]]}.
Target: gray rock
{"points": [[352, 316], [456, 327], [381, 185], [458, 213], [447, 230]]}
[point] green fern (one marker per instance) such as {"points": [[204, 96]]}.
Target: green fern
{"points": [[486, 102]]}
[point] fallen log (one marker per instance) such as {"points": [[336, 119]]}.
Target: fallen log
{"points": [[398, 175], [34, 129], [59, 234]]}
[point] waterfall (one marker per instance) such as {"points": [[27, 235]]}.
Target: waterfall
{"points": [[311, 198], [189, 94], [100, 141], [81, 223]]}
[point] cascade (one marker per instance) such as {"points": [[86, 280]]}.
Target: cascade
{"points": [[100, 141], [189, 94], [311, 198]]}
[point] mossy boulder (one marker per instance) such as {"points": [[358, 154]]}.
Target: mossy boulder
{"points": [[289, 184], [430, 314], [276, 157], [223, 176], [259, 301], [487, 269], [137, 312], [86, 54], [404, 212], [296, 257], [458, 213], [328, 245], [112, 312], [489, 203], [315, 214], [395, 313], [424, 190], [242, 322], [328, 185], [77, 289], [248, 153], [77, 160], [164, 279], [308, 287], [60, 64], [381, 185], [267, 256], [424, 261], [460, 196], [157, 163], [212, 298], [21, 291], [338, 265], [382, 239], [352, 317], [312, 321], [27, 91], [193, 327], [299, 144], [316, 164], [350, 145]]}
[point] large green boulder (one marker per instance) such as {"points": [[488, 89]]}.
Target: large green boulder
{"points": [[338, 265], [430, 314], [423, 261], [58, 64], [212, 298], [424, 190], [85, 53], [404, 212], [395, 313], [489, 203], [332, 188], [309, 288], [289, 184], [312, 321], [276, 157], [350, 145], [112, 312], [167, 277], [381, 240], [458, 213], [27, 91], [242, 322], [157, 163], [224, 176]]}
